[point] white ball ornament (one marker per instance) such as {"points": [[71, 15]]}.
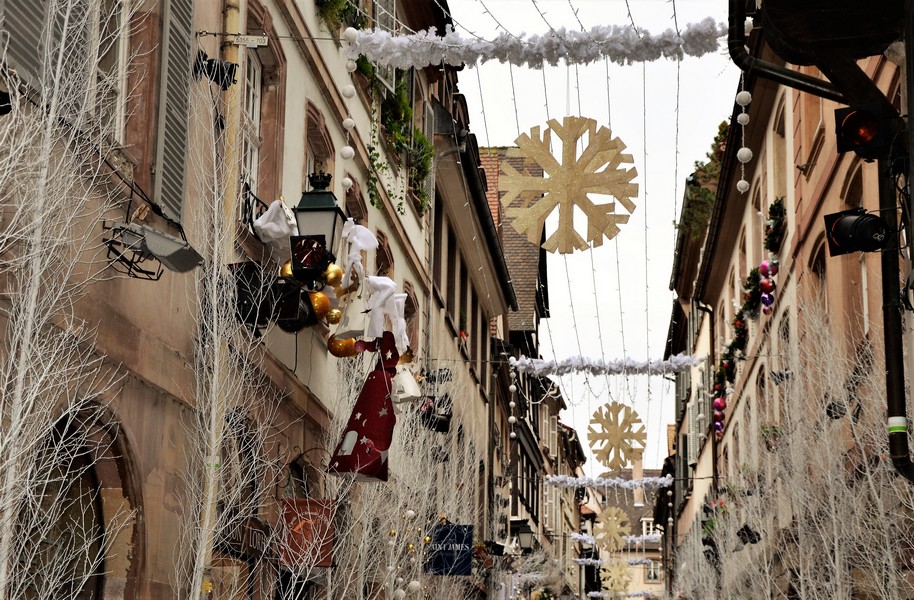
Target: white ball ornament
{"points": [[742, 118], [347, 182], [347, 152], [351, 66], [512, 388], [348, 91], [399, 595], [512, 404], [410, 514], [742, 185], [350, 35], [743, 98], [414, 586], [749, 25], [348, 123], [513, 435], [512, 419], [744, 155], [399, 580]]}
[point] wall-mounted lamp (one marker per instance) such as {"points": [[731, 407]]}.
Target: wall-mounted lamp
{"points": [[320, 222], [520, 528], [854, 230], [146, 243]]}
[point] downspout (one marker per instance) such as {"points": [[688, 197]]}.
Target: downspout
{"points": [[736, 42]]}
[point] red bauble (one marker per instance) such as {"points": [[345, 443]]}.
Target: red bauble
{"points": [[766, 286], [720, 404], [718, 416]]}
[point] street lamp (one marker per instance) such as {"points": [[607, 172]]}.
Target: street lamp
{"points": [[524, 533], [319, 221]]}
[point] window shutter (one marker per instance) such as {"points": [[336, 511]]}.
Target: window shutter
{"points": [[428, 128], [692, 416], [173, 119], [23, 26]]}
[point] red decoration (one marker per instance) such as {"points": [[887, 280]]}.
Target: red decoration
{"points": [[720, 404], [766, 286], [369, 432], [718, 416], [307, 532]]}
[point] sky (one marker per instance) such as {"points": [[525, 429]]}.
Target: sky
{"points": [[614, 301]]}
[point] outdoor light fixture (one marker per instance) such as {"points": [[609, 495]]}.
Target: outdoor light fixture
{"points": [[320, 222], [854, 230], [862, 129], [217, 71], [175, 254], [524, 533], [6, 103]]}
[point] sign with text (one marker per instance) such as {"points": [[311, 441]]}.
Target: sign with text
{"points": [[307, 532], [451, 550]]}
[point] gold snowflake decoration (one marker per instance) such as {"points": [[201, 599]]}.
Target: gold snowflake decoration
{"points": [[615, 576], [613, 435], [596, 170], [611, 528]]}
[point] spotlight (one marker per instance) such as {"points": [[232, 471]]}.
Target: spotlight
{"points": [[854, 231]]}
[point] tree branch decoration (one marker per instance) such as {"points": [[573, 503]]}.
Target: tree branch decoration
{"points": [[598, 169], [613, 437]]}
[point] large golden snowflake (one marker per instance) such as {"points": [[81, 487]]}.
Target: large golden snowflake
{"points": [[611, 528], [615, 576], [596, 170], [613, 435]]}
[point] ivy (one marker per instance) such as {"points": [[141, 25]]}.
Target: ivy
{"points": [[336, 13], [701, 193], [396, 117], [775, 226], [421, 153]]}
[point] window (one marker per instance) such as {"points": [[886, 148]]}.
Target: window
{"points": [[647, 526], [109, 35], [653, 571], [385, 18], [383, 260], [318, 145], [250, 125]]}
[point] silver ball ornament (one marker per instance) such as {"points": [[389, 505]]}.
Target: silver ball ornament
{"points": [[742, 185], [347, 152], [350, 34], [743, 98], [744, 155], [742, 118]]}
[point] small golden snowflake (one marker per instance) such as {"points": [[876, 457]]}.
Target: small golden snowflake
{"points": [[615, 576], [611, 528], [597, 169], [613, 435]]}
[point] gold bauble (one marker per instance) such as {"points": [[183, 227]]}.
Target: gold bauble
{"points": [[410, 547], [428, 540], [285, 271], [334, 316], [321, 304], [341, 348], [392, 532], [333, 275]]}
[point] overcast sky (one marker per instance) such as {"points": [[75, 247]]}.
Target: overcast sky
{"points": [[624, 286]]}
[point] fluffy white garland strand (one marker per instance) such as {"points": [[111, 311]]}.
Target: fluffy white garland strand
{"points": [[594, 366], [647, 483], [631, 539], [619, 43], [599, 562], [583, 537], [615, 595]]}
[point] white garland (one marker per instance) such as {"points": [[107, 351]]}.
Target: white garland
{"points": [[639, 561], [590, 562], [653, 538], [642, 594], [647, 483], [620, 44], [595, 366], [583, 537]]}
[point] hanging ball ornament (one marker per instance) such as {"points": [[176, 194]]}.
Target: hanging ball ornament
{"points": [[742, 185], [764, 268], [512, 388], [411, 547], [410, 514], [513, 435], [742, 119], [414, 586], [333, 275], [767, 310], [399, 595], [427, 539], [512, 419], [767, 299], [720, 404], [341, 348], [334, 316], [512, 404], [351, 66], [743, 98], [719, 426], [392, 532], [285, 271], [766, 285], [773, 266], [718, 416], [399, 580], [321, 304], [350, 34], [347, 152], [348, 91], [348, 123], [347, 183], [744, 155]]}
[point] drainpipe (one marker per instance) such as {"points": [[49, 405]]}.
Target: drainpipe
{"points": [[736, 42]]}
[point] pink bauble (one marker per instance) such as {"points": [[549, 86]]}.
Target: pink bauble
{"points": [[767, 310], [773, 267], [720, 404], [764, 268], [766, 286], [718, 416]]}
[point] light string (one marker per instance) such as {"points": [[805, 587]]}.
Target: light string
{"points": [[541, 367], [570, 482], [616, 43]]}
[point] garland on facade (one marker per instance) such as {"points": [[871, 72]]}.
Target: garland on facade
{"points": [[647, 483], [596, 366], [620, 44]]}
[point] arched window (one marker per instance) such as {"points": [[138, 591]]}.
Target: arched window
{"points": [[818, 288], [355, 201], [411, 314], [318, 145], [384, 261]]}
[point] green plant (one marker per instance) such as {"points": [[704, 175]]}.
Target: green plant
{"points": [[701, 194], [421, 153], [396, 117], [336, 13], [774, 227]]}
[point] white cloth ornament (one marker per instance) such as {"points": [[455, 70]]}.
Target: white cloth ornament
{"points": [[360, 239], [742, 118], [743, 98], [744, 155], [351, 34], [348, 123], [742, 185], [595, 366], [380, 290], [274, 227], [618, 43], [347, 182], [351, 66]]}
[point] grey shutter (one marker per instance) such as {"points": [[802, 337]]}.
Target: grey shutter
{"points": [[177, 36], [23, 24], [428, 128]]}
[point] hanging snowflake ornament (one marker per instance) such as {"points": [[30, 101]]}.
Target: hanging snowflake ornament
{"points": [[597, 169], [615, 576], [611, 528], [614, 432]]}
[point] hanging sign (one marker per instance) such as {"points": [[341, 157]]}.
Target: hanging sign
{"points": [[450, 551], [307, 532]]}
